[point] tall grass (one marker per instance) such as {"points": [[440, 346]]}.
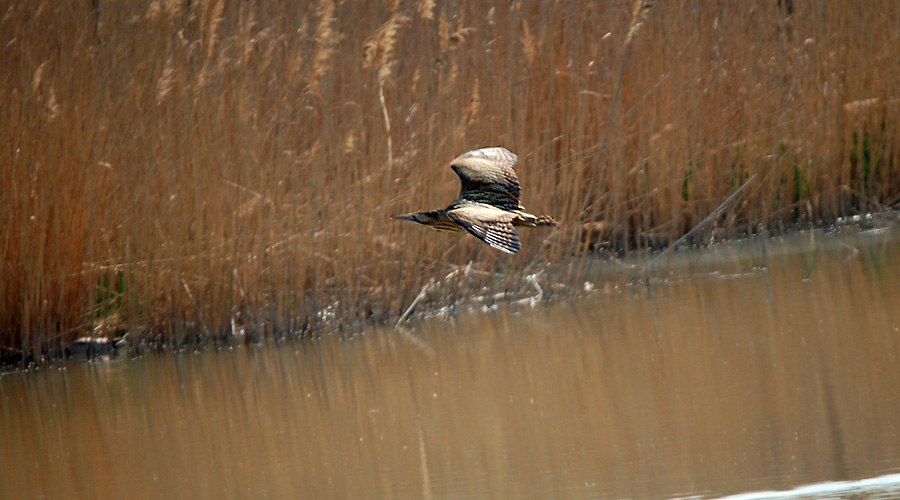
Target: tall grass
{"points": [[186, 169]]}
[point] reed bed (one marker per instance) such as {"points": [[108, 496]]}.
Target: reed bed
{"points": [[191, 170]]}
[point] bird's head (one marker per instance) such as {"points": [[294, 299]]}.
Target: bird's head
{"points": [[426, 218]]}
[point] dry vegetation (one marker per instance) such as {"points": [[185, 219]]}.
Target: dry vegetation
{"points": [[183, 168]]}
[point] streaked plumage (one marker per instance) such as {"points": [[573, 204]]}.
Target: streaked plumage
{"points": [[488, 203], [487, 176]]}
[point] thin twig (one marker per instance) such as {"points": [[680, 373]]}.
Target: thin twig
{"points": [[244, 188], [387, 122], [390, 149]]}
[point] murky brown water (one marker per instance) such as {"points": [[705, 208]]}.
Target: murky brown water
{"points": [[705, 384]]}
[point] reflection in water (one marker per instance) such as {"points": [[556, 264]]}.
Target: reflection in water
{"points": [[703, 384]]}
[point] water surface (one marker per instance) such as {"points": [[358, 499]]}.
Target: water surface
{"points": [[761, 366]]}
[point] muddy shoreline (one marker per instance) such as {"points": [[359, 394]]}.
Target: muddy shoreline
{"points": [[600, 272]]}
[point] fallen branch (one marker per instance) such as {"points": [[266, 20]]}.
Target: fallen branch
{"points": [[697, 227], [414, 302]]}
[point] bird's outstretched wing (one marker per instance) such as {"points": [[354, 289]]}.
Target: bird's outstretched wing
{"points": [[489, 224], [487, 176]]}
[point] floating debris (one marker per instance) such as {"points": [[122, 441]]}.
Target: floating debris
{"points": [[90, 348]]}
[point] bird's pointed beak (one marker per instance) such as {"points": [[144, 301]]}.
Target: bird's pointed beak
{"points": [[408, 217]]}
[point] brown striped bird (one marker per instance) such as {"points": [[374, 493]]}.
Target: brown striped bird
{"points": [[488, 202]]}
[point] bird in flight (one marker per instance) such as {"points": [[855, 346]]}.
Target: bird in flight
{"points": [[488, 202]]}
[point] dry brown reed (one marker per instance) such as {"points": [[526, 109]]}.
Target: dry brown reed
{"points": [[198, 168]]}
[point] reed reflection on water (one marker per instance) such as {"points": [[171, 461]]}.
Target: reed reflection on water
{"points": [[703, 384]]}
